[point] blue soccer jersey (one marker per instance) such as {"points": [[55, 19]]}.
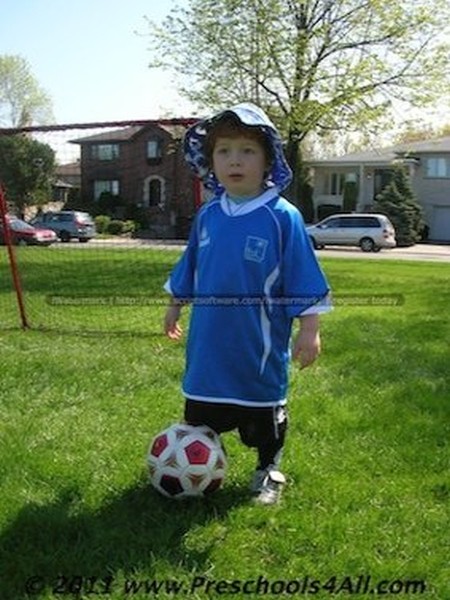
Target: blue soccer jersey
{"points": [[248, 270]]}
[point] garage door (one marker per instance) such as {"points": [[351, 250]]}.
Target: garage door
{"points": [[440, 226]]}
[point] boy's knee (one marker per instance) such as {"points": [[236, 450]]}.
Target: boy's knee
{"points": [[268, 429], [250, 435]]}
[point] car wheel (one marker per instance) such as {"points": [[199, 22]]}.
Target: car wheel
{"points": [[64, 236], [316, 246], [367, 244], [83, 240]]}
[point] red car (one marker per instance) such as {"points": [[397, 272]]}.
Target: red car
{"points": [[25, 234]]}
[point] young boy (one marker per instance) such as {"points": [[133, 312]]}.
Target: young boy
{"points": [[249, 270]]}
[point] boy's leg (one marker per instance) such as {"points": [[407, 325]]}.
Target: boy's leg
{"points": [[265, 429], [270, 454]]}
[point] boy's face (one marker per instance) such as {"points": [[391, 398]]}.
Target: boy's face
{"points": [[239, 163]]}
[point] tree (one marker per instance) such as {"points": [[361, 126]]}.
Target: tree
{"points": [[398, 202], [22, 101], [415, 131], [313, 65], [26, 170]]}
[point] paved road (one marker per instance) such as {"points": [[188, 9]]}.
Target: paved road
{"points": [[431, 252]]}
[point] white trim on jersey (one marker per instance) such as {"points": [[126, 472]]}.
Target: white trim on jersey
{"points": [[322, 306], [238, 401], [265, 321], [250, 205]]}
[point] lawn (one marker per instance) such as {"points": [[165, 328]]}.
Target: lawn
{"points": [[367, 457]]}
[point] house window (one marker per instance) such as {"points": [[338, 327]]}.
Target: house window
{"points": [[336, 184], [438, 167], [111, 186], [105, 151], [154, 150]]}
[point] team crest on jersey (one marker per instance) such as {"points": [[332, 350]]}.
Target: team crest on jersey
{"points": [[255, 248]]}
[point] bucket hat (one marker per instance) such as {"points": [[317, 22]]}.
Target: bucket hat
{"points": [[279, 174]]}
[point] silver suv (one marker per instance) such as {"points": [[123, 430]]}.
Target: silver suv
{"points": [[67, 224], [369, 231]]}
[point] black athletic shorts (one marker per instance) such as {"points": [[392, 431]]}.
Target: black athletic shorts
{"points": [[257, 427]]}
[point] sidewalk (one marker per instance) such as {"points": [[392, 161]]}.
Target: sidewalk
{"points": [[427, 248], [431, 252]]}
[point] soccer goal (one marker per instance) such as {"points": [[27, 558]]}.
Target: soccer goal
{"points": [[93, 216]]}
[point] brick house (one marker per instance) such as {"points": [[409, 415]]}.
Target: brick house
{"points": [[144, 166]]}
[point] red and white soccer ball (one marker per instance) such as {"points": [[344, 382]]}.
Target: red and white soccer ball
{"points": [[186, 461]]}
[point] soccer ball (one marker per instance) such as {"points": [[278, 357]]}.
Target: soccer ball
{"points": [[186, 461]]}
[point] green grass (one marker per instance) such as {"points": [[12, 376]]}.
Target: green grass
{"points": [[77, 274], [367, 456]]}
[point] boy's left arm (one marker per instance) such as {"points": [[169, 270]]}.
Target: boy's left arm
{"points": [[306, 345]]}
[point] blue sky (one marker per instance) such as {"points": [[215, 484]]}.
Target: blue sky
{"points": [[88, 57]]}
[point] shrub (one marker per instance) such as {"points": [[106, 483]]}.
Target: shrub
{"points": [[138, 214], [111, 205], [398, 202], [115, 227], [129, 226], [104, 224], [101, 223]]}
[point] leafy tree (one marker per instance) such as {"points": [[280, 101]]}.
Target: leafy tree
{"points": [[313, 65], [22, 101], [398, 202], [414, 132], [26, 170]]}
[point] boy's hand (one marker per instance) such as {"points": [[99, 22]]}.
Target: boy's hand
{"points": [[171, 326], [306, 347]]}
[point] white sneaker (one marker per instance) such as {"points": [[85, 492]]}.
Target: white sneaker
{"points": [[267, 485], [257, 481]]}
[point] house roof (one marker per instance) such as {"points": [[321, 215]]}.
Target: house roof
{"points": [[59, 183], [387, 155], [73, 168], [175, 129], [118, 135]]}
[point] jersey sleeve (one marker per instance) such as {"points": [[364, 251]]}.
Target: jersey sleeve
{"points": [[305, 287], [181, 282]]}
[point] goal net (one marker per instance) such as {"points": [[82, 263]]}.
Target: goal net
{"points": [[93, 217]]}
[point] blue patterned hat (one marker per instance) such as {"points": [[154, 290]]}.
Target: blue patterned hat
{"points": [[279, 175]]}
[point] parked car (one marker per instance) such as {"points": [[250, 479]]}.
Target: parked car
{"points": [[23, 233], [369, 231], [67, 224]]}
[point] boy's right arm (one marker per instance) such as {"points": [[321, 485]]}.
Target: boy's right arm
{"points": [[171, 326]]}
